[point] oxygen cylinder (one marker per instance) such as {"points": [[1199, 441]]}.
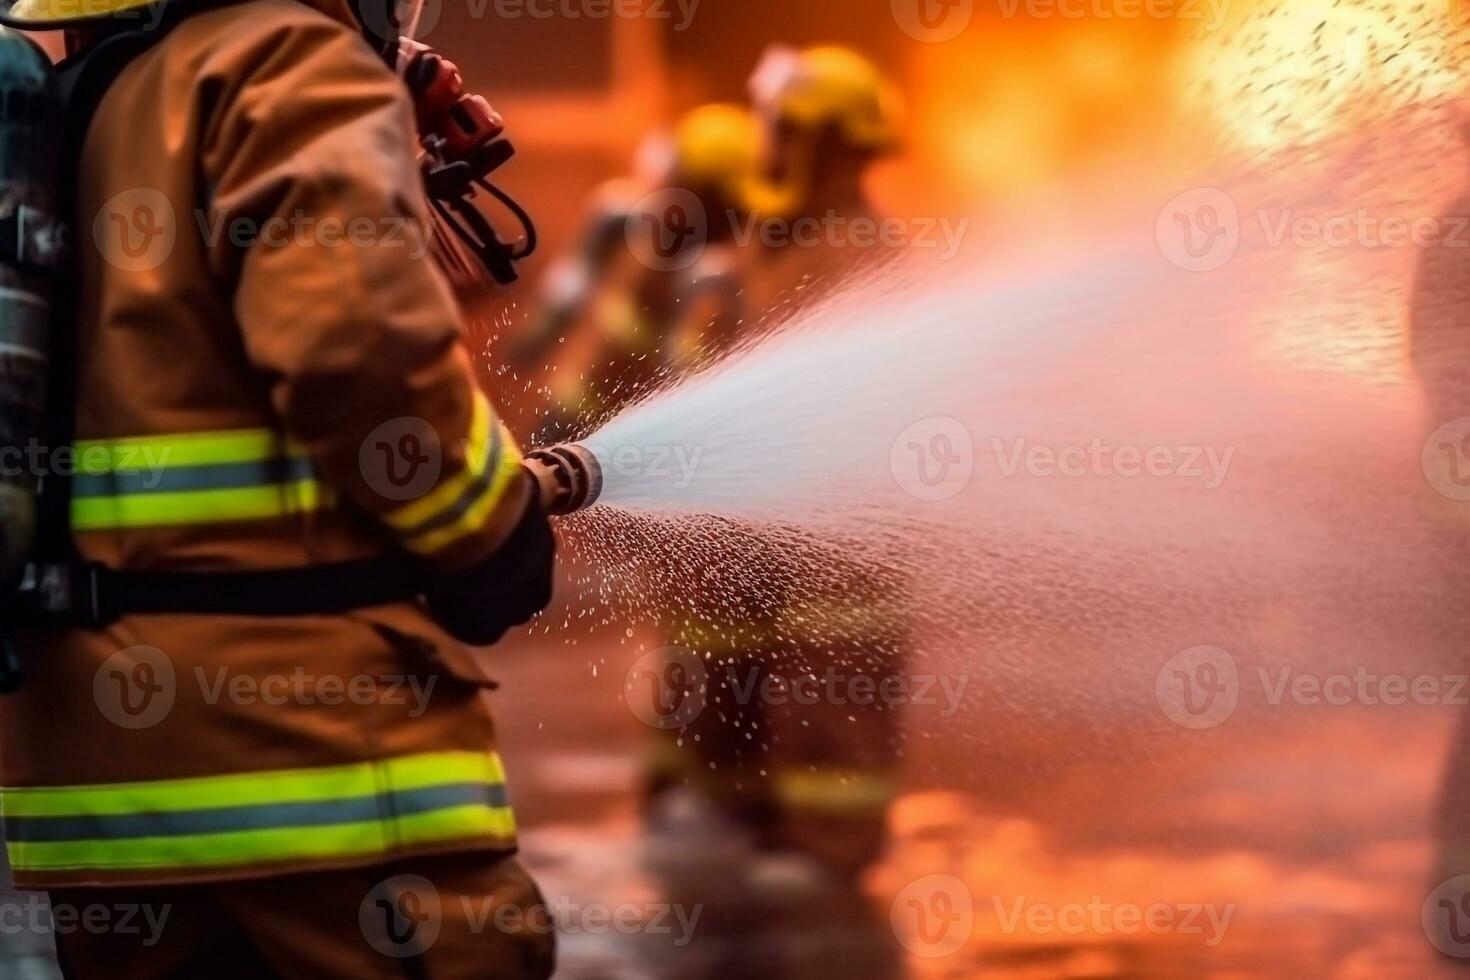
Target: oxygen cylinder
{"points": [[31, 241]]}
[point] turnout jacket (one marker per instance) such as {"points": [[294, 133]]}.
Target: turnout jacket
{"points": [[271, 376]]}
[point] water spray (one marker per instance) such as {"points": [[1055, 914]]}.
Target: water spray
{"points": [[569, 476]]}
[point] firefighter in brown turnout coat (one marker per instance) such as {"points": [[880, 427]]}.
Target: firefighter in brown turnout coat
{"points": [[291, 508]]}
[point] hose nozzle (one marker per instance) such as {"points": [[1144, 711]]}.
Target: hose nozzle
{"points": [[569, 476]]}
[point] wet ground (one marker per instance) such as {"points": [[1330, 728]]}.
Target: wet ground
{"points": [[1303, 850]]}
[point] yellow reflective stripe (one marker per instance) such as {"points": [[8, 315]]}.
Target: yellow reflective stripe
{"points": [[267, 846], [271, 786], [359, 809], [479, 512], [102, 456], [837, 792], [200, 506], [448, 493]]}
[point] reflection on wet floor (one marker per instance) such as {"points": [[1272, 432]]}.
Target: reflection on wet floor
{"points": [[1300, 849]]}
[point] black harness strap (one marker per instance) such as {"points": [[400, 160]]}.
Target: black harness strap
{"points": [[310, 591]]}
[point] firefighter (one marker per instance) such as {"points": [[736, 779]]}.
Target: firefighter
{"points": [[250, 723], [806, 780], [828, 116], [652, 286]]}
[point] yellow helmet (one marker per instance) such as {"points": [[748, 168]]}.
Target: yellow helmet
{"points": [[51, 14], [718, 146], [715, 148], [382, 20], [828, 85]]}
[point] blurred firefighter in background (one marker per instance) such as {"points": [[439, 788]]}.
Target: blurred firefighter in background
{"points": [[215, 724], [652, 288], [812, 775]]}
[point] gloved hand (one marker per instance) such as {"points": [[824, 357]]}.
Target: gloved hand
{"points": [[477, 605]]}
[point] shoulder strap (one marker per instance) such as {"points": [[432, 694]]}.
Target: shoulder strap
{"points": [[84, 79]]}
